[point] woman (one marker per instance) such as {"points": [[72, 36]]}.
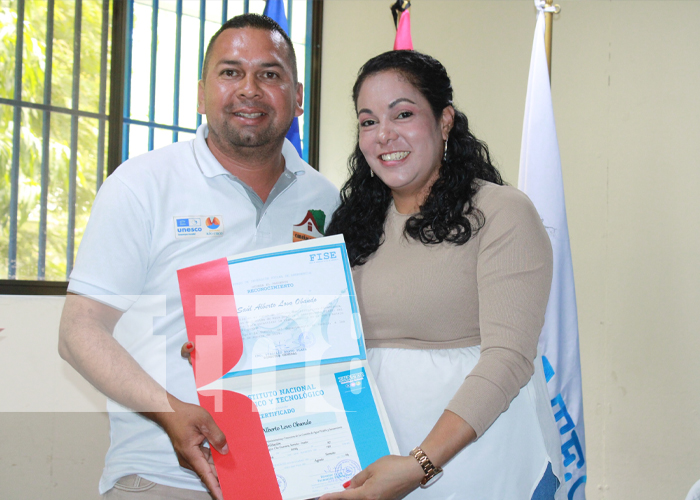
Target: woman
{"points": [[453, 272]]}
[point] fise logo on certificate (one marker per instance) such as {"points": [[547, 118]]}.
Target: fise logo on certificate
{"points": [[198, 226], [323, 256]]}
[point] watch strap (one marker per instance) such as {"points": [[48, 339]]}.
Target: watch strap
{"points": [[428, 467]]}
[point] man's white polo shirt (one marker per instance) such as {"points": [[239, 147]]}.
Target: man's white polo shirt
{"points": [[169, 209]]}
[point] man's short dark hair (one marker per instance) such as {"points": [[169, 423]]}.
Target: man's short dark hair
{"points": [[256, 21]]}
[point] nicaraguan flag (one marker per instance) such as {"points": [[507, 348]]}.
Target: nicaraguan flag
{"points": [[274, 9], [541, 178]]}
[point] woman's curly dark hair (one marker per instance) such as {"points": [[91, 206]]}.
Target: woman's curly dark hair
{"points": [[447, 213]]}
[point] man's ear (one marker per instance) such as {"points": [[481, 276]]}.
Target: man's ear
{"points": [[298, 109], [201, 109]]}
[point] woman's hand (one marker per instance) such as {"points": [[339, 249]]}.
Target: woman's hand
{"points": [[388, 478], [186, 351], [393, 477]]}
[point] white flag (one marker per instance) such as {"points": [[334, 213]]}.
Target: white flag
{"points": [[540, 178]]}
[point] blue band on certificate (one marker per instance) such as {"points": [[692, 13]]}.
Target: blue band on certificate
{"points": [[363, 419]]}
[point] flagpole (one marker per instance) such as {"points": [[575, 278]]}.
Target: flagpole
{"points": [[548, 24]]}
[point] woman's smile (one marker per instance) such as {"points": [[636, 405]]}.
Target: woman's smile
{"points": [[395, 157]]}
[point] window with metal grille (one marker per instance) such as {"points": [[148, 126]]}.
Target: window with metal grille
{"points": [[61, 133], [171, 68]]}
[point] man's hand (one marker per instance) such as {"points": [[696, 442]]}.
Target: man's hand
{"points": [[186, 351], [388, 478], [188, 427], [86, 342]]}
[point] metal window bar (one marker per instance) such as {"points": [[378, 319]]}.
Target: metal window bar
{"points": [[32, 287], [54, 109], [103, 95], [224, 11], [73, 165], [202, 21], [290, 3], [307, 80], [117, 84], [45, 142], [154, 60], [16, 130], [314, 78], [178, 55], [162, 126], [127, 72]]}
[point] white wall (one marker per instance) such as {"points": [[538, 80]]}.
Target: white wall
{"points": [[626, 90], [53, 430]]}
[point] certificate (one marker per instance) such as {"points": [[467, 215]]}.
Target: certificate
{"points": [[296, 306], [322, 426], [299, 378]]}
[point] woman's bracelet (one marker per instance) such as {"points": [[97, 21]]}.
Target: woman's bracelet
{"points": [[430, 470]]}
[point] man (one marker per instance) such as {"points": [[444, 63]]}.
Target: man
{"points": [[236, 187]]}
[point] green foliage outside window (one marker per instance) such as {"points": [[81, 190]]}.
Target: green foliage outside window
{"points": [[30, 154]]}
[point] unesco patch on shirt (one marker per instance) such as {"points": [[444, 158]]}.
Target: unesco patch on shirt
{"points": [[198, 226]]}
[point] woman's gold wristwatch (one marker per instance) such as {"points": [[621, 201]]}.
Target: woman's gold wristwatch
{"points": [[430, 470]]}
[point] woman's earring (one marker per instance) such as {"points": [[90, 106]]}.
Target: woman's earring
{"points": [[371, 172], [444, 154]]}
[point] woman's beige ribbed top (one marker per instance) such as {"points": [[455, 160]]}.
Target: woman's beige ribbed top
{"points": [[491, 291]]}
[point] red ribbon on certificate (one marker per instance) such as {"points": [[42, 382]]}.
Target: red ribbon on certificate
{"points": [[212, 324]]}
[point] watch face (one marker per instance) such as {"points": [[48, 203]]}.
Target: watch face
{"points": [[432, 480]]}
